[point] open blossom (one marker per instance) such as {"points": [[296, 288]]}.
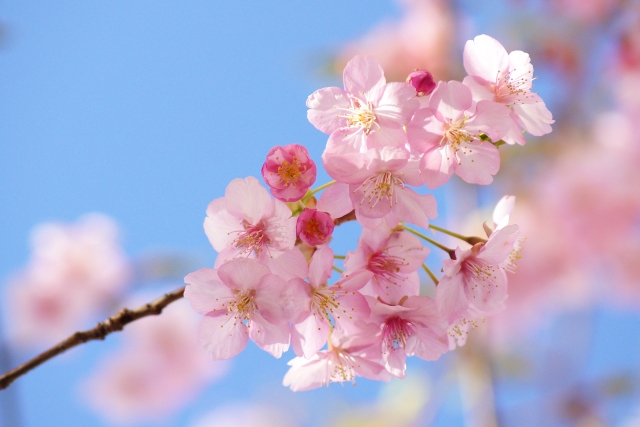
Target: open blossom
{"points": [[159, 369], [74, 272], [448, 133], [413, 327], [378, 184], [340, 304], [393, 257], [346, 358], [368, 113], [242, 299], [248, 222], [507, 79], [478, 275], [289, 172], [314, 227]]}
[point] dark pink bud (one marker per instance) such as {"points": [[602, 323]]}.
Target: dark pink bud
{"points": [[289, 172], [422, 81], [314, 227]]}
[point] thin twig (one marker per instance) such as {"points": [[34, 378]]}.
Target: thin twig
{"points": [[351, 216], [102, 329]]}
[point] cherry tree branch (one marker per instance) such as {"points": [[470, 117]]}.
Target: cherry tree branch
{"points": [[113, 324]]}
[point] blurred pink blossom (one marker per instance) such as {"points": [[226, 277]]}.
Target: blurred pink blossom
{"points": [[75, 271], [158, 371]]}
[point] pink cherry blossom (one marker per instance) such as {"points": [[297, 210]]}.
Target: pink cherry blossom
{"points": [[248, 222], [393, 257], [240, 300], [413, 327], [314, 227], [346, 358], [422, 81], [74, 272], [289, 172], [477, 276], [159, 370], [448, 133], [368, 113], [378, 184], [507, 79], [340, 304]]}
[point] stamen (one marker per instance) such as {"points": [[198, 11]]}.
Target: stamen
{"points": [[381, 186]]}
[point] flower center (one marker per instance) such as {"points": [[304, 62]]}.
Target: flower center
{"points": [[455, 134], [243, 305], [381, 186], [324, 301], [396, 331], [290, 173], [386, 267], [515, 84], [360, 115], [343, 367], [252, 238]]}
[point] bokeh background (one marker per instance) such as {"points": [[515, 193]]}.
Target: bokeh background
{"points": [[144, 111]]}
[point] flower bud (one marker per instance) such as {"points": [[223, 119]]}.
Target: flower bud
{"points": [[314, 227], [289, 172], [422, 81]]}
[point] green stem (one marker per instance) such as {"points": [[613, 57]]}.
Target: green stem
{"points": [[470, 240], [312, 192], [337, 269], [339, 257], [430, 273], [430, 240]]}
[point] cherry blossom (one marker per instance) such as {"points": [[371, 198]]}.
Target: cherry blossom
{"points": [[422, 81], [507, 79], [393, 257], [248, 222], [340, 304], [289, 172], [240, 300], [378, 184], [412, 327], [346, 358], [314, 227], [448, 134], [368, 113]]}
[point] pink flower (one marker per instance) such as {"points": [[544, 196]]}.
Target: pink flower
{"points": [[393, 258], [75, 271], [289, 172], [314, 227], [378, 184], [413, 327], [242, 299], [507, 79], [247, 221], [477, 275], [448, 133], [340, 303], [369, 113], [159, 370], [422, 81], [346, 358]]}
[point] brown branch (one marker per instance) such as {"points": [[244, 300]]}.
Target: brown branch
{"points": [[102, 329], [113, 324]]}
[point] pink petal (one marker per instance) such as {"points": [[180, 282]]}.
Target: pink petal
{"points": [[335, 200], [206, 292], [242, 273], [309, 336], [436, 167], [247, 199], [273, 339], [425, 131], [320, 268], [396, 362], [492, 119], [451, 99], [289, 264], [480, 88], [535, 118], [450, 297], [489, 295], [414, 208], [352, 312], [503, 211], [362, 74], [219, 225], [485, 57], [478, 161], [396, 106], [500, 245], [222, 336], [307, 374], [325, 109]]}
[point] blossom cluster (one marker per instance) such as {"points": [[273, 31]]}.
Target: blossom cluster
{"points": [[270, 282]]}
